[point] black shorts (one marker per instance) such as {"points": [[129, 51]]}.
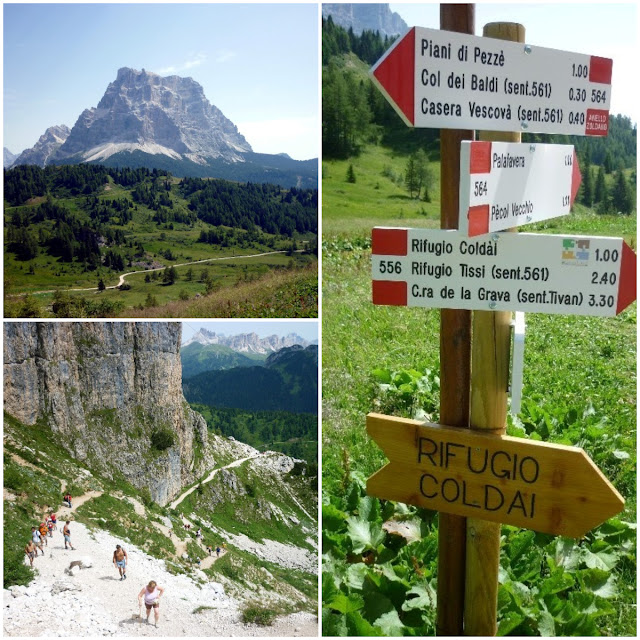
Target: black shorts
{"points": [[155, 605]]}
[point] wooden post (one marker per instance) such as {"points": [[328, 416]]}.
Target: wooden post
{"points": [[455, 358], [489, 380]]}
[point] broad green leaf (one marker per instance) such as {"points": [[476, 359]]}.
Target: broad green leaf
{"points": [[407, 529], [363, 534], [333, 542], [422, 596], [369, 509], [510, 622], [333, 623], [580, 625], [621, 455], [601, 560], [590, 604], [344, 604], [329, 588], [558, 581], [358, 626], [382, 375], [332, 518], [354, 577], [567, 554], [390, 624], [546, 624], [602, 583]]}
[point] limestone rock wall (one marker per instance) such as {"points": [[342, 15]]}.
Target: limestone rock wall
{"points": [[104, 387]]}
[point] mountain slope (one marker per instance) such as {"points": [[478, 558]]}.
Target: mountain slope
{"points": [[83, 407], [197, 358], [43, 152], [8, 158], [287, 382], [145, 120]]}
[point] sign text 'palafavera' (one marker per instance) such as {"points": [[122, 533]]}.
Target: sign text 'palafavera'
{"points": [[504, 185], [440, 268], [448, 80], [525, 483]]}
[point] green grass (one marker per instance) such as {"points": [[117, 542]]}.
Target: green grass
{"points": [[257, 614], [579, 388]]}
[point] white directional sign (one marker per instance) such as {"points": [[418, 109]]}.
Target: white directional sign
{"points": [[505, 185], [502, 272], [449, 80]]}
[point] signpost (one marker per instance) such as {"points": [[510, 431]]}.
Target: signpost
{"points": [[442, 79], [577, 275], [506, 185], [542, 486], [452, 80]]}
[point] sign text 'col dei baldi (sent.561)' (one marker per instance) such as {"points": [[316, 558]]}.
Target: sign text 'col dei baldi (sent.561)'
{"points": [[448, 80]]}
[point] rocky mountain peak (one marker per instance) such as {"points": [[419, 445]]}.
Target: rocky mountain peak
{"points": [[48, 143], [154, 114], [369, 16]]}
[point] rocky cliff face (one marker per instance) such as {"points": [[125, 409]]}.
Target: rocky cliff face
{"points": [[43, 150], [142, 111], [105, 388], [372, 17]]}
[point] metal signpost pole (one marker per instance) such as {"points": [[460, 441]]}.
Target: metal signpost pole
{"points": [[455, 357]]}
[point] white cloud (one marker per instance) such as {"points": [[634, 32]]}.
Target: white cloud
{"points": [[225, 55], [298, 137], [194, 61]]}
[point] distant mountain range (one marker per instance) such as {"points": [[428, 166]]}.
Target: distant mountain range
{"points": [[372, 17], [146, 120], [288, 381], [208, 351]]}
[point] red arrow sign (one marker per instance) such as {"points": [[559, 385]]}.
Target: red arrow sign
{"points": [[439, 268], [505, 185], [448, 80]]}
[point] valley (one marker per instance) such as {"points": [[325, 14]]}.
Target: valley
{"points": [[104, 242]]}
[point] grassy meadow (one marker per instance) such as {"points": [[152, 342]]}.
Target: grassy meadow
{"points": [[579, 388]]}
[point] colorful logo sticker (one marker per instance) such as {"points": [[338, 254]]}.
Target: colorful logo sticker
{"points": [[575, 251]]}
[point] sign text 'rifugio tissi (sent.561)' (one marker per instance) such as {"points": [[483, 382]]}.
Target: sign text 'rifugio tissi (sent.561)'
{"points": [[439, 268], [536, 485], [448, 80]]}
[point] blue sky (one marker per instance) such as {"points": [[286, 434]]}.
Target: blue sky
{"points": [[307, 329], [257, 63], [606, 30]]}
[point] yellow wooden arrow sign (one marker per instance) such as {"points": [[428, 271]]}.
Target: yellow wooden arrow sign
{"points": [[535, 485]]}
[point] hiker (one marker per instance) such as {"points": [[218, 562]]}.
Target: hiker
{"points": [[218, 551], [67, 498], [66, 532], [37, 539], [54, 519], [151, 594], [43, 533], [50, 527], [209, 549], [30, 550], [120, 559]]}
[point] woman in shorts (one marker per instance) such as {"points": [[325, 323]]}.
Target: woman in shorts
{"points": [[151, 594]]}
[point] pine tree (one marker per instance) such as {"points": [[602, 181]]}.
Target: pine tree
{"points": [[600, 192], [411, 179], [587, 185], [621, 195], [351, 176]]}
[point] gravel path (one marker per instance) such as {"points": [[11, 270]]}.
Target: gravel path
{"points": [[96, 602]]}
